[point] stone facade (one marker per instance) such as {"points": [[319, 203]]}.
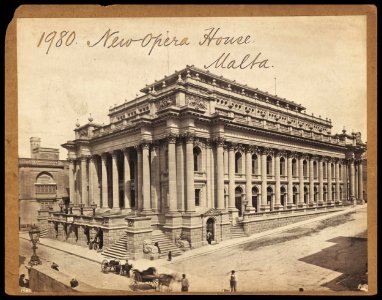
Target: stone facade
{"points": [[43, 183], [199, 152]]}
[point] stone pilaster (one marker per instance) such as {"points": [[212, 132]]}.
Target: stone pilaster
{"points": [[126, 179], [290, 183], [155, 178], [231, 185], [93, 184], [248, 178], [321, 182], [311, 181], [301, 180], [330, 200], [220, 173], [172, 203], [277, 204], [72, 192], [146, 205], [190, 173], [264, 206], [138, 185], [180, 183], [337, 168], [105, 201]]}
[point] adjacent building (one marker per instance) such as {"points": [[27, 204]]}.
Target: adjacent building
{"points": [[43, 183], [198, 153]]}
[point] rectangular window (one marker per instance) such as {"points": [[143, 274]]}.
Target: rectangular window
{"points": [[197, 197]]}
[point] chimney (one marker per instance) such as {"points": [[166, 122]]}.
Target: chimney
{"points": [[35, 144]]}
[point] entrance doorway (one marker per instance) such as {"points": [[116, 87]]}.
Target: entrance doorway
{"points": [[210, 234], [238, 192]]}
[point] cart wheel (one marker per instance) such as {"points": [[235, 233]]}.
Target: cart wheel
{"points": [[95, 246], [155, 283], [104, 265]]}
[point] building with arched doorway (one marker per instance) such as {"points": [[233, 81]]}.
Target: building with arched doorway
{"points": [[43, 183], [199, 152]]}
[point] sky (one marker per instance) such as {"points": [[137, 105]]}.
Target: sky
{"points": [[319, 62]]}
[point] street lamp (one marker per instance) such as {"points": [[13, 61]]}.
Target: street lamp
{"points": [[34, 235], [82, 205], [71, 207], [93, 206]]}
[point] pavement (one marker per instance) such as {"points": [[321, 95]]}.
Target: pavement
{"points": [[97, 257]]}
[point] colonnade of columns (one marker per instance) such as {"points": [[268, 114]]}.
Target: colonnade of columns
{"points": [[93, 186]]}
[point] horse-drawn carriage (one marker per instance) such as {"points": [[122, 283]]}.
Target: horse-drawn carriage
{"points": [[116, 266], [151, 277]]}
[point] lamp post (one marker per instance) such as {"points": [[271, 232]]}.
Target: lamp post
{"points": [[93, 206], [71, 207], [34, 235], [61, 205], [82, 205]]}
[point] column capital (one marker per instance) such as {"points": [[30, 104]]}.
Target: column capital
{"points": [[305, 156], [104, 155], [231, 146], [85, 157], [125, 150], [208, 143], [293, 154], [341, 161], [219, 141], [239, 147], [114, 153], [314, 157], [189, 137], [145, 145], [280, 153], [267, 151], [155, 145], [171, 138]]}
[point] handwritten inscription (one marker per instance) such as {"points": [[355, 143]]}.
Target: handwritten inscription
{"points": [[211, 38]]}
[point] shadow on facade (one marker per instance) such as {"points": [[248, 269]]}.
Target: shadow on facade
{"points": [[348, 256]]}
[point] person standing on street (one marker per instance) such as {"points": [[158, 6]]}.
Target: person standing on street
{"points": [[184, 283], [233, 281]]}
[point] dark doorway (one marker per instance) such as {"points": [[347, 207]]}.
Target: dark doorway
{"points": [[282, 196], [211, 229], [238, 192], [255, 192]]}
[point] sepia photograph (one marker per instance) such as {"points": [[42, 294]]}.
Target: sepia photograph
{"points": [[180, 154]]}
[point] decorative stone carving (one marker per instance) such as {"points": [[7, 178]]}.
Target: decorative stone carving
{"points": [[148, 247], [83, 132], [182, 243], [212, 212], [198, 143], [219, 141], [171, 138], [189, 137], [165, 102], [130, 223], [268, 151], [196, 102]]}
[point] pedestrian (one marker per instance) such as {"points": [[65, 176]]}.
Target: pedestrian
{"points": [[157, 245], [233, 281], [73, 283], [184, 283], [209, 237], [169, 255], [54, 266], [23, 282]]}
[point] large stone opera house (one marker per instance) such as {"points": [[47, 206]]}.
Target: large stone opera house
{"points": [[198, 153]]}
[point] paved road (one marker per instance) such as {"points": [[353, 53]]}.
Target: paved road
{"points": [[322, 256]]}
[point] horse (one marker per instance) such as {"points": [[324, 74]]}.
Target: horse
{"points": [[165, 280]]}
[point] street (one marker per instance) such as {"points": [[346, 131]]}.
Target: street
{"points": [[327, 255]]}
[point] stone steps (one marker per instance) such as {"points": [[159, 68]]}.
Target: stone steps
{"points": [[237, 232], [118, 250], [44, 232], [165, 244]]}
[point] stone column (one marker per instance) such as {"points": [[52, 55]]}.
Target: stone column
{"points": [[277, 204], [105, 201], [248, 177], [264, 206], [155, 177], [190, 173], [171, 174], [290, 183], [231, 177], [311, 181], [220, 173], [138, 185], [338, 199], [84, 181], [321, 182], [126, 178], [352, 180], [93, 184], [146, 205], [115, 180], [301, 181], [77, 182], [72, 191], [329, 197], [180, 174], [360, 182]]}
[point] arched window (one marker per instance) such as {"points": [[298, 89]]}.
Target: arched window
{"points": [[294, 195], [255, 164], [324, 169], [282, 166], [340, 171], [238, 162], [315, 194], [325, 193], [294, 167], [305, 168], [255, 192], [269, 196], [315, 173], [306, 194], [45, 184], [282, 196], [238, 204], [269, 165], [197, 159], [332, 170]]}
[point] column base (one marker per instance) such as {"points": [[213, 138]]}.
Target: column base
{"points": [[320, 203], [291, 206], [265, 208], [311, 204], [278, 207], [301, 205], [361, 201], [329, 202]]}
